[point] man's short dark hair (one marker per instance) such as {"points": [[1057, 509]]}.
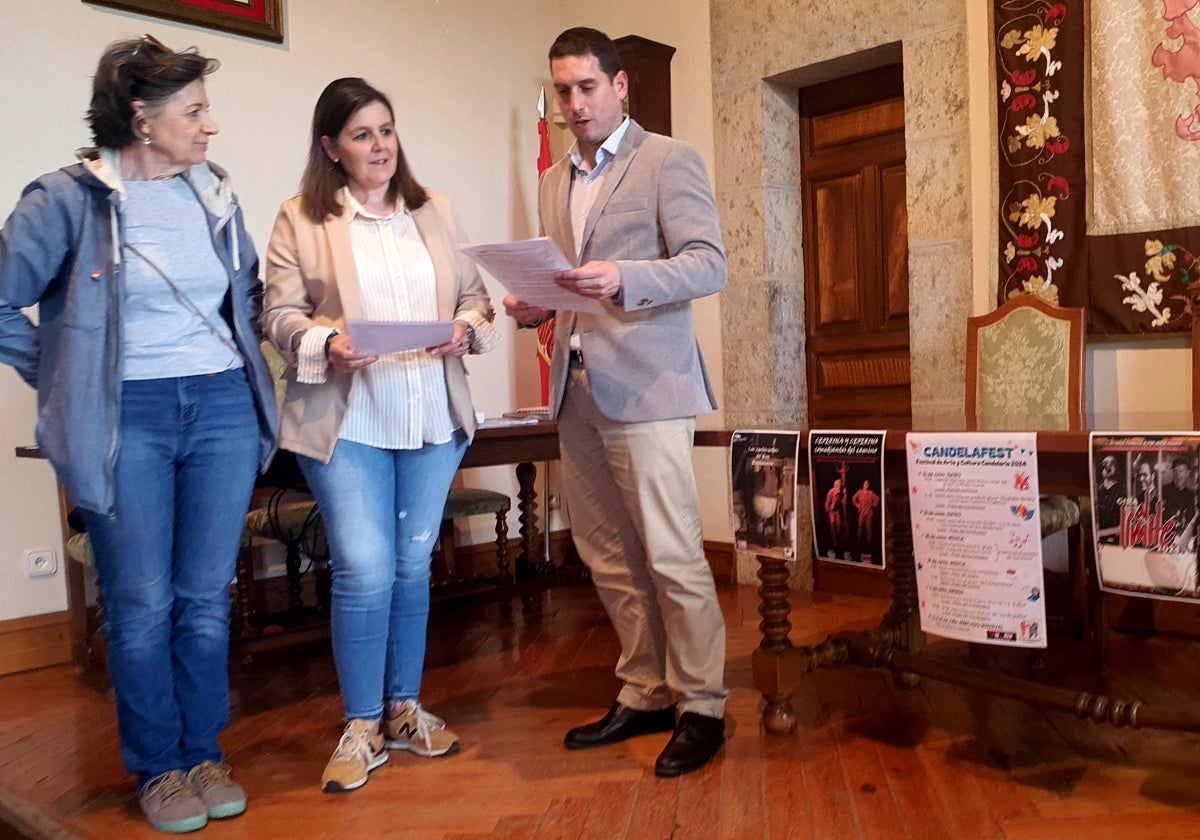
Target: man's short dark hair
{"points": [[1181, 462], [580, 40]]}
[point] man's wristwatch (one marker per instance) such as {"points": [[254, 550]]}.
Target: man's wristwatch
{"points": [[328, 340]]}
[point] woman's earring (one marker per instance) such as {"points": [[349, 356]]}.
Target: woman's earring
{"points": [[137, 132]]}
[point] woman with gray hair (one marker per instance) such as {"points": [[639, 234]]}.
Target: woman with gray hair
{"points": [[155, 406]]}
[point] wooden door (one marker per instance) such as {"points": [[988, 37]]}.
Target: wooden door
{"points": [[856, 264]]}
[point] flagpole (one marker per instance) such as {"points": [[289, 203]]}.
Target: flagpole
{"points": [[545, 338]]}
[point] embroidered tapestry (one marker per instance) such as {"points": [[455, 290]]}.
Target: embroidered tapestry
{"points": [[1099, 157]]}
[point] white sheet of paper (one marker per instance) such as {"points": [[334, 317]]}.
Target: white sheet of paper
{"points": [[378, 337], [527, 270]]}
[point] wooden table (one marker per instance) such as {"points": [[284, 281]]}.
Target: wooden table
{"points": [[898, 644], [523, 445]]}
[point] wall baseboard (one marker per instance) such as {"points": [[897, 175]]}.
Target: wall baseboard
{"points": [[35, 642], [723, 561]]}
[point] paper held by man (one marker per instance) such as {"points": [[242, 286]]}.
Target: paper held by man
{"points": [[527, 270]]}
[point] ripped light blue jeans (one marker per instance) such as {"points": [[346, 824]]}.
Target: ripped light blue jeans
{"points": [[382, 509]]}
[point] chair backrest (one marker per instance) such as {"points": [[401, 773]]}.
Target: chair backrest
{"points": [[1025, 367]]}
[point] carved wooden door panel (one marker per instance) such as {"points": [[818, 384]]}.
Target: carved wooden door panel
{"points": [[856, 267]]}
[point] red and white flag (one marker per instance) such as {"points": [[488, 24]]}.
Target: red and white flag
{"points": [[545, 330]]}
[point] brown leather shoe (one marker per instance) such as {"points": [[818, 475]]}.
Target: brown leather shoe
{"points": [[620, 723], [696, 740]]}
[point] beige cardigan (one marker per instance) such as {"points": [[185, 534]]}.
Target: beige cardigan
{"points": [[312, 281]]}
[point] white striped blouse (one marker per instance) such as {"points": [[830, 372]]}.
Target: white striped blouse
{"points": [[400, 402]]}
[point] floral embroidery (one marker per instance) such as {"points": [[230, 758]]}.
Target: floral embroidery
{"points": [[1030, 253], [1037, 210], [1144, 300], [1031, 138], [1163, 264], [1044, 289], [1163, 259], [1038, 42], [1023, 373], [1037, 131]]}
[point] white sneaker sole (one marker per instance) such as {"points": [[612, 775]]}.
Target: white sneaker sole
{"points": [[413, 748], [334, 787]]}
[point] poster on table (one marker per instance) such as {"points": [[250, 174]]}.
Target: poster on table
{"points": [[846, 476], [763, 492], [1144, 513], [977, 536]]}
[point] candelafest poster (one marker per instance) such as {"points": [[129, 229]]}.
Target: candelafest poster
{"points": [[977, 536]]}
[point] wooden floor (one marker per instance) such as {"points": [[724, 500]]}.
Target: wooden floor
{"points": [[869, 760]]}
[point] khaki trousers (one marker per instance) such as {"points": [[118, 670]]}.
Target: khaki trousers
{"points": [[635, 519]]}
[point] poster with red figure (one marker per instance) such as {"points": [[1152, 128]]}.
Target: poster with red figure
{"points": [[846, 477]]}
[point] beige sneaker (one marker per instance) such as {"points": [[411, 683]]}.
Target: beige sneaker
{"points": [[358, 753], [409, 727]]}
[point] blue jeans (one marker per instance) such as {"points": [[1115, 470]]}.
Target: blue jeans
{"points": [[186, 460], [381, 509]]}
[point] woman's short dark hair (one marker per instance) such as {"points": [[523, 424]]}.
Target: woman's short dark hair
{"points": [[581, 40], [138, 70], [323, 179]]}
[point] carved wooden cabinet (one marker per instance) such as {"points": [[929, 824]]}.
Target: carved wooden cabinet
{"points": [[648, 65]]}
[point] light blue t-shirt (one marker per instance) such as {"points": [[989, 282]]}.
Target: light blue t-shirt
{"points": [[162, 337]]}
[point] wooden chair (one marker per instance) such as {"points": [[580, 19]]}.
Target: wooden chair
{"points": [[1025, 364], [95, 642], [288, 517], [1025, 367], [470, 501]]}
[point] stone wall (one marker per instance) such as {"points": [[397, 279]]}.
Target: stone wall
{"points": [[763, 52]]}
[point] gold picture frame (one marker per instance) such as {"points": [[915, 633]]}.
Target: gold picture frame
{"points": [[254, 18]]}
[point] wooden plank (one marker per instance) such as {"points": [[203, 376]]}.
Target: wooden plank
{"points": [[654, 808], [35, 641], [943, 764]]}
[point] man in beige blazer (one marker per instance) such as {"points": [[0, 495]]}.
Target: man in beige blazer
{"points": [[636, 212]]}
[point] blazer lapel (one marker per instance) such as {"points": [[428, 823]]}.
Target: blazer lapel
{"points": [[560, 187], [612, 177], [443, 272], [337, 228]]}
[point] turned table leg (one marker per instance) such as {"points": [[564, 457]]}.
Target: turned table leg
{"points": [[527, 505]]}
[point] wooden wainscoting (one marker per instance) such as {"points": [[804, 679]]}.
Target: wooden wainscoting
{"points": [[35, 642]]}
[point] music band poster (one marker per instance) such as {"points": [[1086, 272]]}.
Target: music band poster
{"points": [[846, 477], [977, 536], [763, 492], [1144, 513]]}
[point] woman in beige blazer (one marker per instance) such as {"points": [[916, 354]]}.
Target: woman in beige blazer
{"points": [[378, 438]]}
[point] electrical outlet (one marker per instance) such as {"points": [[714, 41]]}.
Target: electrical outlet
{"points": [[41, 562]]}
